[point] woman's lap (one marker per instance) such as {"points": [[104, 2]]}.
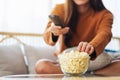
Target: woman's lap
{"points": [[53, 66]]}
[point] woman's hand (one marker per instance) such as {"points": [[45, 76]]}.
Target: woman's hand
{"points": [[85, 47], [58, 30]]}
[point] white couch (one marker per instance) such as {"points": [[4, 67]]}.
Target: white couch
{"points": [[20, 51], [17, 59]]}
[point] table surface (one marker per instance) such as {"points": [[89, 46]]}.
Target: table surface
{"points": [[57, 77]]}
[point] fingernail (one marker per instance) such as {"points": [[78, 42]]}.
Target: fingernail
{"points": [[59, 27], [67, 27]]}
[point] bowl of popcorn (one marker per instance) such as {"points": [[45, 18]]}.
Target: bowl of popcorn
{"points": [[73, 62]]}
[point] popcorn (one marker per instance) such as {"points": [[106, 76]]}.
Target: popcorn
{"points": [[74, 62]]}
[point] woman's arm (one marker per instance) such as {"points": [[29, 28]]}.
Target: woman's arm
{"points": [[49, 37], [103, 33]]}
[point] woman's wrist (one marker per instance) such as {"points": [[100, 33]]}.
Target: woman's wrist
{"points": [[54, 38], [93, 55]]}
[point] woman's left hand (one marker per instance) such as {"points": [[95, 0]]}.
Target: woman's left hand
{"points": [[85, 47]]}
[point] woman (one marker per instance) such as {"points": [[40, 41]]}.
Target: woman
{"points": [[88, 26]]}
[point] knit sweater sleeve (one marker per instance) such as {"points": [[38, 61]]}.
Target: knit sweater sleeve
{"points": [[103, 33], [49, 38]]}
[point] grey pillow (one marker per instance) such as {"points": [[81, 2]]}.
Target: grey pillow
{"points": [[34, 53], [101, 61], [11, 60]]}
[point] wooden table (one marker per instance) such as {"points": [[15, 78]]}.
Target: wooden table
{"points": [[57, 77]]}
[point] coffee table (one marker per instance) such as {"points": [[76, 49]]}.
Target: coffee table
{"points": [[57, 77]]}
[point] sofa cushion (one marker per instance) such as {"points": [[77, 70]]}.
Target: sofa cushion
{"points": [[34, 53], [11, 60]]}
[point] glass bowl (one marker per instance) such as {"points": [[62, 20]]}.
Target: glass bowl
{"points": [[73, 62]]}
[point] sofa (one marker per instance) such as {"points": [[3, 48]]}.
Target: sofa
{"points": [[13, 60], [20, 51], [18, 54]]}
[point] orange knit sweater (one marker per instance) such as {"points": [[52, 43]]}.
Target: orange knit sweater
{"points": [[93, 27]]}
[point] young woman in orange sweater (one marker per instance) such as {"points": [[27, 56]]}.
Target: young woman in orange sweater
{"points": [[88, 26]]}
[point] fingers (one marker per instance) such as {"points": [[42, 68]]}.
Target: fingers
{"points": [[91, 50], [57, 30], [85, 47], [64, 30]]}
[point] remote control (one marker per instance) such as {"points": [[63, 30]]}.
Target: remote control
{"points": [[56, 20]]}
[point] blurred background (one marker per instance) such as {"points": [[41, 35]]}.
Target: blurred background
{"points": [[30, 16]]}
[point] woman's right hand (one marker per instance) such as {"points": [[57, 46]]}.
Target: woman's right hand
{"points": [[58, 30]]}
